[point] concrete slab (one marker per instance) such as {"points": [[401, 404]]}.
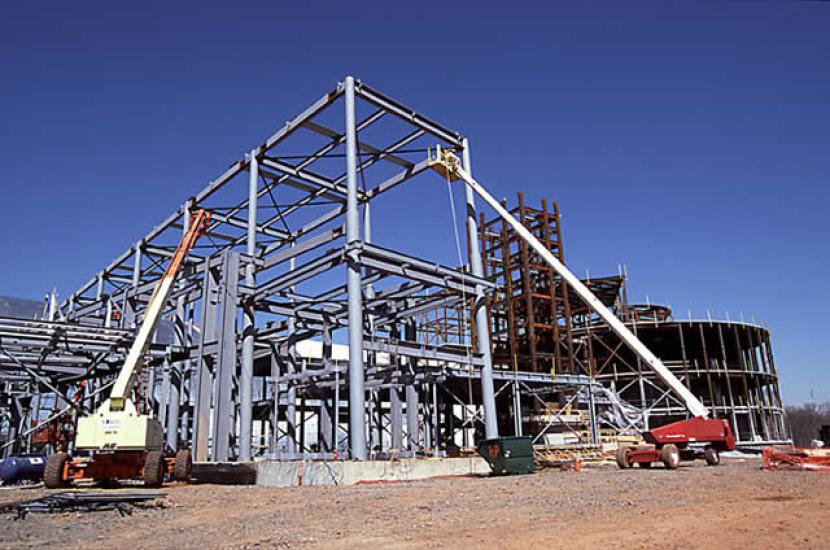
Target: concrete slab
{"points": [[274, 473]]}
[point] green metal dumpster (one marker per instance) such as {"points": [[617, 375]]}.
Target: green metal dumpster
{"points": [[508, 455]]}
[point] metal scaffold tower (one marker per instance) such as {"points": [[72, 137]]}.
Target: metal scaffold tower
{"points": [[530, 309]]}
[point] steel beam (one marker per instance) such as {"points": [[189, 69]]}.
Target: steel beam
{"points": [[407, 114]]}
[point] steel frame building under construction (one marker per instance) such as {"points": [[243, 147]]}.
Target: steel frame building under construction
{"points": [[293, 332]]}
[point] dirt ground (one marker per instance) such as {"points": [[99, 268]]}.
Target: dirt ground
{"points": [[735, 504]]}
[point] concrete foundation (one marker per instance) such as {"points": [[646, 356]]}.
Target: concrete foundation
{"points": [[292, 474], [225, 473]]}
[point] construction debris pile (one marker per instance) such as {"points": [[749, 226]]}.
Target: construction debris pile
{"points": [[789, 457]]}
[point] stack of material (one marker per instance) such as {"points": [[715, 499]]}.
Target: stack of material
{"points": [[789, 457], [556, 456], [122, 501]]}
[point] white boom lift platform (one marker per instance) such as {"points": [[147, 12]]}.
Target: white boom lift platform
{"points": [[116, 440], [667, 443]]}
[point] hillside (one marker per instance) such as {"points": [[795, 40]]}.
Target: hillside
{"points": [[20, 307]]}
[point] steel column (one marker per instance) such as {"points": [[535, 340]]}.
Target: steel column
{"points": [[226, 359], [328, 441], [174, 397], [204, 377], [176, 374], [517, 409], [247, 375], [488, 394], [275, 400], [357, 397], [291, 390], [396, 418], [413, 434]]}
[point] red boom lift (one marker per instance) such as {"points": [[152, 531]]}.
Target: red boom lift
{"points": [[682, 440]]}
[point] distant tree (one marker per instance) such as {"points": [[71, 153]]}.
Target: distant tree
{"points": [[806, 420]]}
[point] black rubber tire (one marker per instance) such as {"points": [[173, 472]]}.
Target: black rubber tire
{"points": [[624, 457], [670, 456], [184, 466], [712, 456], [153, 469], [53, 471]]}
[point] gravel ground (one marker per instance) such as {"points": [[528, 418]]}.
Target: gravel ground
{"points": [[732, 505]]}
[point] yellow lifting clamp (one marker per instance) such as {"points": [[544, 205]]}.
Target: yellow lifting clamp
{"points": [[444, 162]]}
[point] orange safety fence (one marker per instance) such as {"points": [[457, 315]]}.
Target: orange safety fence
{"points": [[790, 457]]}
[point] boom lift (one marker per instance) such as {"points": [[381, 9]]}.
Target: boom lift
{"points": [[118, 441], [668, 443]]}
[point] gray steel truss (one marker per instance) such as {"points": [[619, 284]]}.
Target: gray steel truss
{"points": [[292, 331]]}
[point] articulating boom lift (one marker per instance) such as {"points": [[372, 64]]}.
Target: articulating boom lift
{"points": [[667, 443], [118, 442]]}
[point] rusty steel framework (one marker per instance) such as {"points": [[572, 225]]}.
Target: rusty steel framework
{"points": [[530, 309]]}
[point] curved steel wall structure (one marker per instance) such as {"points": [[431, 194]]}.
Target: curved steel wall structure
{"points": [[728, 365]]}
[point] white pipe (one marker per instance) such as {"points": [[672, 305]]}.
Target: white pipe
{"points": [[453, 165]]}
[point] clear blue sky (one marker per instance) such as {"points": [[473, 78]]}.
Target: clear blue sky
{"points": [[688, 140]]}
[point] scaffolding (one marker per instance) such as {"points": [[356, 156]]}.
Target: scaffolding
{"points": [[530, 308]]}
